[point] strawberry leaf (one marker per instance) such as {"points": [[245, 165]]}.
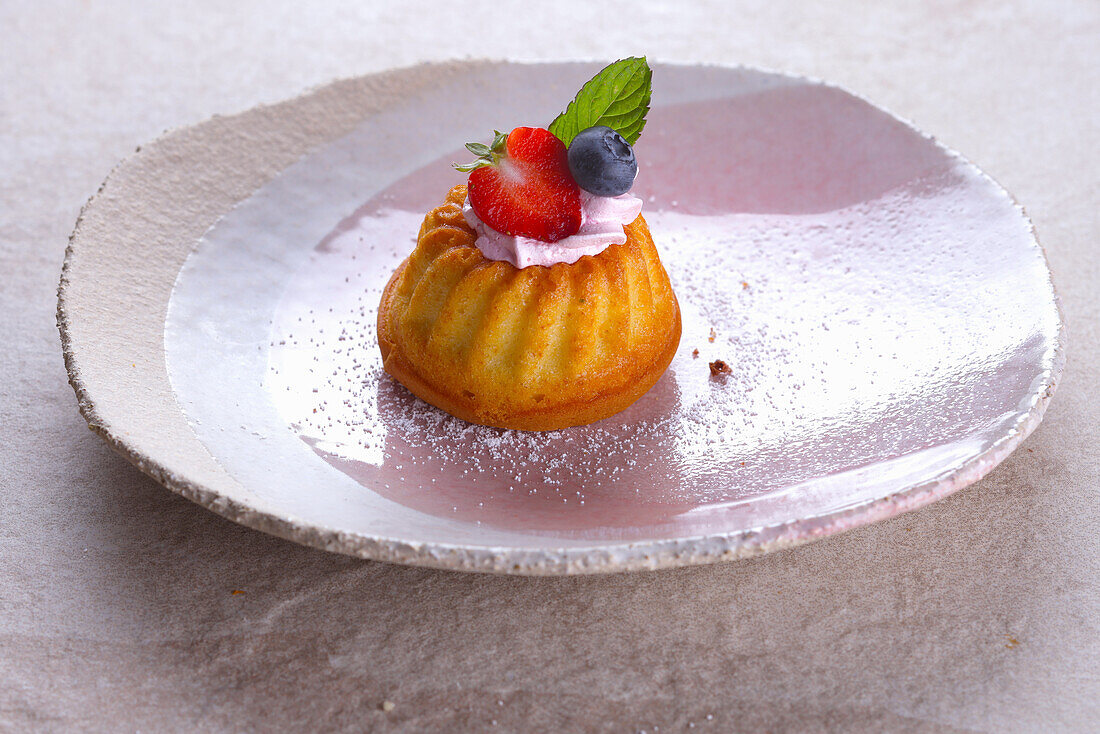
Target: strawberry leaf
{"points": [[487, 155], [617, 97], [467, 167]]}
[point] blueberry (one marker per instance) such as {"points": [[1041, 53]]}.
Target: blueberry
{"points": [[602, 162]]}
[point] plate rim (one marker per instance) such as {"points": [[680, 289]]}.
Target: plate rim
{"points": [[610, 558]]}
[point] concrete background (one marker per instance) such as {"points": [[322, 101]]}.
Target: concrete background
{"points": [[117, 611]]}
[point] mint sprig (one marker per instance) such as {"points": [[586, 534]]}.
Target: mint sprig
{"points": [[487, 155], [617, 97]]}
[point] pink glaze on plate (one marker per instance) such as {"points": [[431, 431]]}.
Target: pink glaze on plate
{"points": [[827, 257], [886, 312]]}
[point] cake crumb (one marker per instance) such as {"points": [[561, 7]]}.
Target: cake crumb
{"points": [[388, 706], [718, 367], [695, 354]]}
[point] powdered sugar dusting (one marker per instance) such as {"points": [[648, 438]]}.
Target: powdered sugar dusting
{"points": [[823, 350]]}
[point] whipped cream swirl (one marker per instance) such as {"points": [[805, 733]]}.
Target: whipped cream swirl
{"points": [[602, 220]]}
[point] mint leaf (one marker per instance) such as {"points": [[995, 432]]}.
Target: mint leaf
{"points": [[617, 97]]}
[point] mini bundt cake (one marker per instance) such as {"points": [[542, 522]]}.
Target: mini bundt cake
{"points": [[532, 348]]}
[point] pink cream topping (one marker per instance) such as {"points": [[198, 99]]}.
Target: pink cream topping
{"points": [[602, 220]]}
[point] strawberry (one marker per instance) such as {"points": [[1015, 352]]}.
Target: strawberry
{"points": [[521, 185]]}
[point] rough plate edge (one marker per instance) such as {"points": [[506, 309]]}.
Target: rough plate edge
{"points": [[563, 561]]}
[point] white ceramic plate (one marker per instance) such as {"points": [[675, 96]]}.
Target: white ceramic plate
{"points": [[888, 316]]}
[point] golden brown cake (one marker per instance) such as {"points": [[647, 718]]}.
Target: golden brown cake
{"points": [[534, 348]]}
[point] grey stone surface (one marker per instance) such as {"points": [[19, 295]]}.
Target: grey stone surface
{"points": [[117, 611]]}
